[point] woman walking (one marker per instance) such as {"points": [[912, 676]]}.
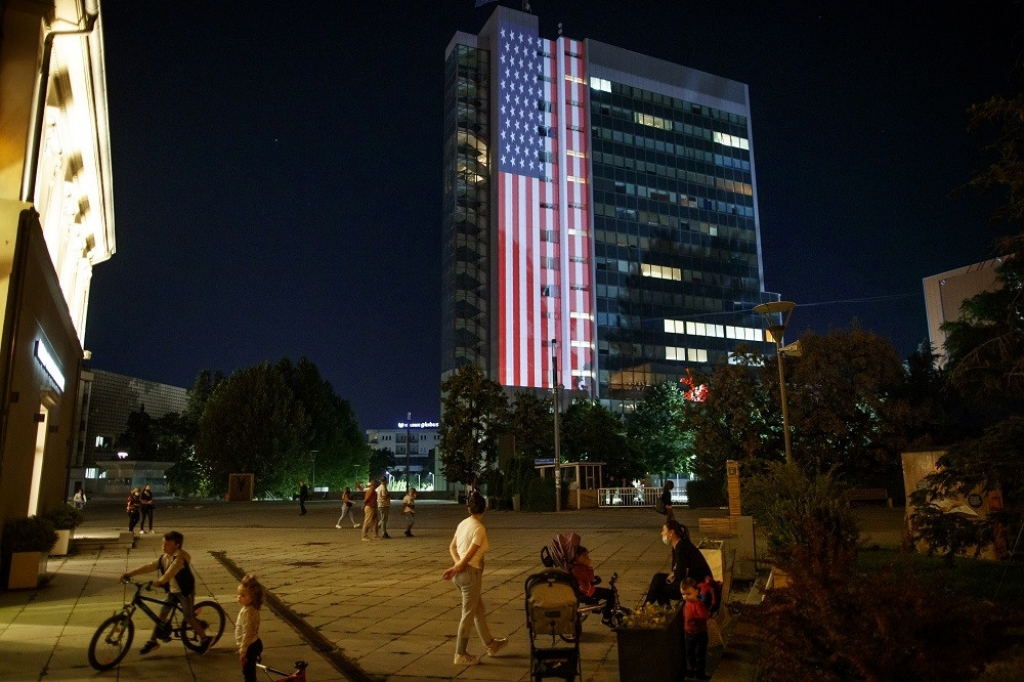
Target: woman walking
{"points": [[346, 508], [146, 505], [467, 550]]}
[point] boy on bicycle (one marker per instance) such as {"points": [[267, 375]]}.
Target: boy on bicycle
{"points": [[177, 578]]}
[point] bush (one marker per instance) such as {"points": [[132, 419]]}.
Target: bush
{"points": [[32, 534], [65, 517], [706, 492], [540, 495]]}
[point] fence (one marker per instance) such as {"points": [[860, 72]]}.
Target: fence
{"points": [[635, 496]]}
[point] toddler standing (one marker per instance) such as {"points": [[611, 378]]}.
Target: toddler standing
{"points": [[247, 626], [409, 509], [695, 630]]}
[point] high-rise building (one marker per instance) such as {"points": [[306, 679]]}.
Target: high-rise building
{"points": [[599, 212]]}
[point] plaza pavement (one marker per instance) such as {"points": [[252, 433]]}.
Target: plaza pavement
{"points": [[354, 610]]}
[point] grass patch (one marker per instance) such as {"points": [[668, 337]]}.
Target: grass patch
{"points": [[1001, 582]]}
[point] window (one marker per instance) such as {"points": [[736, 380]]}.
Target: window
{"points": [[600, 84], [573, 178], [575, 79], [549, 291], [573, 152]]}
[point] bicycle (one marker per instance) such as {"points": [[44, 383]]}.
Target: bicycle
{"points": [[298, 676], [113, 638]]}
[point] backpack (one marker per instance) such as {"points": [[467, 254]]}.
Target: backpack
{"points": [[185, 579], [711, 594]]}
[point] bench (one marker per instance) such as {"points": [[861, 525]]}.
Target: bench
{"points": [[868, 495]]}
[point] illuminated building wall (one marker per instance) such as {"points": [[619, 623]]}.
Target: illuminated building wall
{"points": [[599, 198]]}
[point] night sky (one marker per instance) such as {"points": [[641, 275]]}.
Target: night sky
{"points": [[277, 170]]}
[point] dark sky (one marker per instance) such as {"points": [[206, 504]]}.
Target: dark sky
{"points": [[277, 170]]}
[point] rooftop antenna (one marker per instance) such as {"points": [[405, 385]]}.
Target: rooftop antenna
{"points": [[526, 6], [559, 29]]}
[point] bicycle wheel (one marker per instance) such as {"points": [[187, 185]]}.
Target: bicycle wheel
{"points": [[111, 642], [211, 615]]}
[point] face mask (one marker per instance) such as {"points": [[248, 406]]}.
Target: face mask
{"points": [[664, 538]]}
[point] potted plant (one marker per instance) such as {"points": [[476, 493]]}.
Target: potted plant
{"points": [[26, 544], [650, 643], [65, 518]]}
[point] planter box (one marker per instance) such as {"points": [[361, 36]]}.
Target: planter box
{"points": [[63, 542], [26, 570], [647, 655]]}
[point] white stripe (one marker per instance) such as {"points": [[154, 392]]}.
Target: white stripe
{"points": [[509, 290], [522, 319]]}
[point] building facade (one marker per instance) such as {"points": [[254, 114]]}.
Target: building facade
{"points": [[106, 401], [57, 222], [413, 445], [945, 293], [600, 216]]}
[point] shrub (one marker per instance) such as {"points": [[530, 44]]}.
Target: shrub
{"points": [[32, 534], [65, 516], [706, 492], [540, 495]]}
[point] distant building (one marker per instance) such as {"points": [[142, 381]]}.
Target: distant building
{"points": [[416, 440], [107, 400], [56, 224], [599, 208], [945, 293]]}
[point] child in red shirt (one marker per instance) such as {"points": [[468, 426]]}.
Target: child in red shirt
{"points": [[695, 630]]}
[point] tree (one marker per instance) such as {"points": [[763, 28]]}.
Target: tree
{"points": [[846, 405], [254, 424], [657, 430], [531, 422], [190, 475], [339, 453], [732, 421], [590, 433], [473, 413], [381, 460]]}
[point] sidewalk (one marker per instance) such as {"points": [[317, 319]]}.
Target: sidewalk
{"points": [[354, 610]]}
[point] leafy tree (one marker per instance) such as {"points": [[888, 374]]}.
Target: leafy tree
{"points": [[657, 430], [254, 424], [190, 474], [340, 454], [381, 460], [846, 404], [473, 413], [731, 423], [532, 423], [590, 433]]}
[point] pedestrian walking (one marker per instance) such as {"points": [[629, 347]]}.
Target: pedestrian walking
{"points": [[146, 505], [79, 499], [133, 509], [467, 550], [384, 507], [303, 496], [346, 508], [664, 505], [409, 510], [247, 626], [370, 517]]}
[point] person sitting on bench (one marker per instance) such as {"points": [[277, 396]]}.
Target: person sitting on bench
{"points": [[687, 562]]}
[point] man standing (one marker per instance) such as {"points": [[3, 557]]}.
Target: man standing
{"points": [[303, 496], [370, 518]]}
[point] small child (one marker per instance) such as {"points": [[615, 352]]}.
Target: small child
{"points": [[583, 571], [695, 630], [247, 627], [409, 510], [175, 576]]}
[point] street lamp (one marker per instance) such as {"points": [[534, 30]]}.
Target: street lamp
{"points": [[769, 311], [554, 394], [408, 447]]}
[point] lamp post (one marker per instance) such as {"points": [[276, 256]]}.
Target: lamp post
{"points": [[408, 448], [769, 310], [554, 394], [313, 453]]}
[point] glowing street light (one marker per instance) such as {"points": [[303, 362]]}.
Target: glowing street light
{"points": [[769, 311]]}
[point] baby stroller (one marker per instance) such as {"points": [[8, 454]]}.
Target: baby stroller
{"points": [[552, 610], [561, 553]]}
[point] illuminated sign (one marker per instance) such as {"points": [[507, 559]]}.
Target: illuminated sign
{"points": [[50, 365], [418, 425]]}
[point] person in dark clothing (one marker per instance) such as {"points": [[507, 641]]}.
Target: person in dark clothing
{"points": [[687, 562], [666, 500], [303, 496], [146, 500], [133, 509]]}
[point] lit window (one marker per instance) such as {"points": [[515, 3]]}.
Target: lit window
{"points": [[575, 79], [600, 84], [581, 344], [573, 178], [581, 316], [573, 152]]}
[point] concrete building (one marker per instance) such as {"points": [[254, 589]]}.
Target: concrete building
{"points": [[107, 400], [600, 212], [412, 443], [945, 293], [57, 222]]}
